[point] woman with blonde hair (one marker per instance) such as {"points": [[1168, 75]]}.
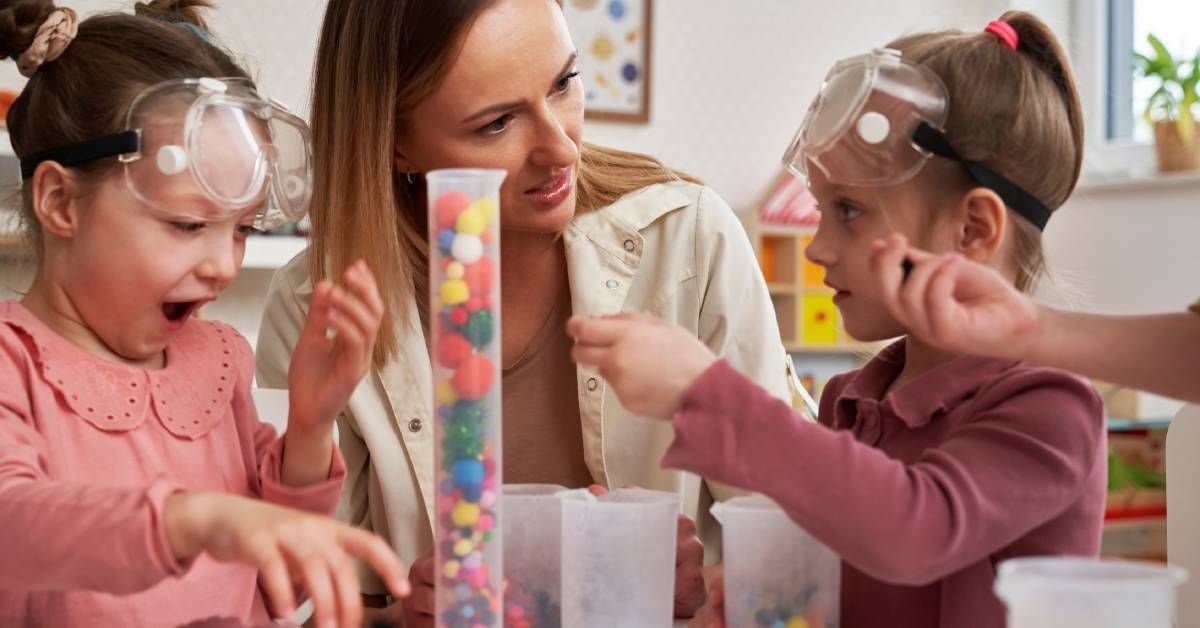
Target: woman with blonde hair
{"points": [[403, 87]]}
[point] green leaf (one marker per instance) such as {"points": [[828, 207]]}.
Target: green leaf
{"points": [[1167, 65], [1160, 106]]}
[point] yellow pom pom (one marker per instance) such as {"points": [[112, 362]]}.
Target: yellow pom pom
{"points": [[444, 393], [450, 569], [471, 222], [797, 622], [486, 207], [465, 514], [455, 270], [462, 548], [455, 291]]}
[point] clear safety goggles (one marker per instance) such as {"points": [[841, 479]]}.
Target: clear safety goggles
{"points": [[213, 137], [875, 122]]}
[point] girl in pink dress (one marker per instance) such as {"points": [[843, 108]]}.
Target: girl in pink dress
{"points": [[137, 485]]}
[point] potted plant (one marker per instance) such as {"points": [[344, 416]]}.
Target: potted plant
{"points": [[1170, 109]]}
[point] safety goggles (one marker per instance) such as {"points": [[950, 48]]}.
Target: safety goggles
{"points": [[875, 122], [213, 137]]}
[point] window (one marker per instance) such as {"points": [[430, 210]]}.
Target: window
{"points": [[1175, 22]]}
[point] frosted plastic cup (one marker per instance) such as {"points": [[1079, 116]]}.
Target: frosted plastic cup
{"points": [[532, 555], [619, 558], [1061, 592], [464, 322], [776, 574]]}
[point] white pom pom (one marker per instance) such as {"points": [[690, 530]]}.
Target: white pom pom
{"points": [[467, 248]]}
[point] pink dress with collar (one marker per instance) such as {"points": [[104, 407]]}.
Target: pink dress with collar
{"points": [[89, 451]]}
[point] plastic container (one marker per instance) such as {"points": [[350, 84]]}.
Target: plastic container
{"points": [[532, 555], [1061, 592], [619, 558], [776, 575], [464, 273]]}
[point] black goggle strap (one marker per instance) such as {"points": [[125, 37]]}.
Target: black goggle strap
{"points": [[83, 152], [1022, 202]]}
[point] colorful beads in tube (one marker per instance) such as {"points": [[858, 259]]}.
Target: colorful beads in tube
{"points": [[464, 274]]}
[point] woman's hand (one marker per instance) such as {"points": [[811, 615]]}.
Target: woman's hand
{"points": [[287, 547], [712, 615], [953, 303], [649, 363]]}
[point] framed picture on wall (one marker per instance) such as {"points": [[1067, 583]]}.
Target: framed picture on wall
{"points": [[613, 38]]}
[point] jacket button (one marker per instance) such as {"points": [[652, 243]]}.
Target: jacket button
{"points": [[415, 425], [592, 383], [612, 284], [630, 245]]}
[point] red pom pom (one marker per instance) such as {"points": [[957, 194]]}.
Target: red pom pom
{"points": [[449, 206], [459, 316], [452, 350], [474, 304], [479, 276], [473, 379]]}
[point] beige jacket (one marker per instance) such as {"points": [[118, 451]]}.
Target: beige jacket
{"points": [[674, 250]]}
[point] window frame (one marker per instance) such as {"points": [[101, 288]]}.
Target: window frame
{"points": [[1104, 159]]}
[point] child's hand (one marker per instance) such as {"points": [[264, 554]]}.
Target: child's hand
{"points": [[954, 303], [649, 363], [286, 547], [324, 370]]}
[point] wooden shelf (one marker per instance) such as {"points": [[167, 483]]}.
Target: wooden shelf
{"points": [[270, 251], [1126, 425], [783, 231], [846, 349], [782, 289]]}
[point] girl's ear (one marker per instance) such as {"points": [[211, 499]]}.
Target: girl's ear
{"points": [[983, 219], [54, 200]]}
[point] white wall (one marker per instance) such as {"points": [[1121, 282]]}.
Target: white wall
{"points": [[276, 39], [1129, 248]]}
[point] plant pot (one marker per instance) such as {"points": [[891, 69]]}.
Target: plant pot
{"points": [[1173, 153]]}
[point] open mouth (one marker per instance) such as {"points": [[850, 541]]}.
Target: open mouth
{"points": [[178, 311]]}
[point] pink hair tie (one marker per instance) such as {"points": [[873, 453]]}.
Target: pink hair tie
{"points": [[1005, 32]]}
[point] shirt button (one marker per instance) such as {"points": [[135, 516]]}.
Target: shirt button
{"points": [[612, 284], [630, 245], [592, 384], [415, 425]]}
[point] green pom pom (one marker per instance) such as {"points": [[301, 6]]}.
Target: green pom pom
{"points": [[466, 410], [480, 328], [464, 433], [461, 441]]}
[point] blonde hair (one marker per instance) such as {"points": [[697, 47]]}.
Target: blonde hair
{"points": [[1018, 112], [376, 60]]}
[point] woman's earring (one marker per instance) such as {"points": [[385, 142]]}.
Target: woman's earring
{"points": [[411, 178]]}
